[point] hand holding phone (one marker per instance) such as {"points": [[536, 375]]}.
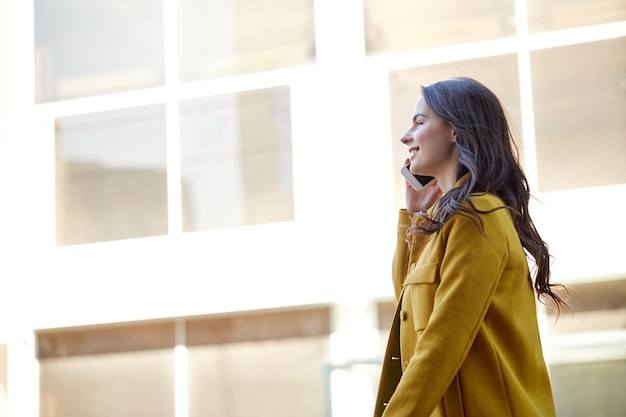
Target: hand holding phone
{"points": [[422, 193]]}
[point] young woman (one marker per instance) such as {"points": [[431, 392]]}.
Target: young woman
{"points": [[465, 339]]}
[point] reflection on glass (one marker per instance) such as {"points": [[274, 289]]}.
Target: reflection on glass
{"points": [[122, 384], [281, 378], [601, 382], [562, 14], [90, 47], [111, 176], [580, 101], [499, 73], [236, 160], [402, 25], [262, 363], [237, 36], [597, 305]]}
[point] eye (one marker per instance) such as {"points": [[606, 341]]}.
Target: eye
{"points": [[418, 120]]}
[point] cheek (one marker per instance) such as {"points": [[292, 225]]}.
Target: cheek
{"points": [[443, 148]]}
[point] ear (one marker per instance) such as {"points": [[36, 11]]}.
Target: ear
{"points": [[453, 135]]}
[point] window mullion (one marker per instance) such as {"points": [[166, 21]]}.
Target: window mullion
{"points": [[526, 96], [172, 117]]}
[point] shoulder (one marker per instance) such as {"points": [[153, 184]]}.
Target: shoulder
{"points": [[487, 212], [489, 207], [486, 201]]}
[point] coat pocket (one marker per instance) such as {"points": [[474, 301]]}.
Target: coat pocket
{"points": [[420, 287]]}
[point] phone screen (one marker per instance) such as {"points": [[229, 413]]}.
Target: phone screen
{"points": [[417, 181]]}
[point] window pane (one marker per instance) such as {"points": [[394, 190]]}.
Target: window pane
{"points": [[90, 47], [258, 364], [589, 389], [597, 306], [107, 371], [500, 74], [546, 15], [236, 160], [238, 36], [282, 378], [401, 25], [580, 103], [111, 175], [111, 385]]}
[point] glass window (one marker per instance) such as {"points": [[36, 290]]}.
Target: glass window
{"points": [[90, 47], [580, 103], [258, 364], [262, 363], [107, 371], [236, 159], [401, 25], [112, 385], [231, 37], [281, 378], [589, 389], [499, 73], [111, 176], [546, 15], [597, 306]]}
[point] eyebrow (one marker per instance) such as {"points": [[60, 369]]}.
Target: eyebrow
{"points": [[418, 115]]}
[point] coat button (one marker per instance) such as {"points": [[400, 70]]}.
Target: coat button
{"points": [[403, 315]]}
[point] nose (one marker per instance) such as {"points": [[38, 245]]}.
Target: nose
{"points": [[406, 138]]}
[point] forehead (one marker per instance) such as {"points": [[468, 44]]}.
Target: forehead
{"points": [[422, 108]]}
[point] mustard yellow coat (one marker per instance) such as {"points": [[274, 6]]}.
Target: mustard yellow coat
{"points": [[465, 341]]}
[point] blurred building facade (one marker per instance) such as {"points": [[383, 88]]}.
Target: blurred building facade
{"points": [[198, 199]]}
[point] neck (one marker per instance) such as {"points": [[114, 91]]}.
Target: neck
{"points": [[448, 179]]}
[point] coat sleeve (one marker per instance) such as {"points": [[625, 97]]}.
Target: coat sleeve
{"points": [[469, 270], [405, 254], [400, 261]]}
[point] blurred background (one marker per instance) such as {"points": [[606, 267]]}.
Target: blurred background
{"points": [[198, 198]]}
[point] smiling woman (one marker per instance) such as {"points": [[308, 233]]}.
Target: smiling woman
{"points": [[173, 160], [432, 146], [465, 338]]}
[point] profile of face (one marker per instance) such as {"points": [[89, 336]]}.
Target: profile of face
{"points": [[431, 142]]}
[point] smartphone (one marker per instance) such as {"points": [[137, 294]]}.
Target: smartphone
{"points": [[417, 181]]}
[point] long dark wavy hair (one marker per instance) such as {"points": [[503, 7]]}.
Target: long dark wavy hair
{"points": [[486, 151]]}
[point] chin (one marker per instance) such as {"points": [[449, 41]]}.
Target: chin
{"points": [[417, 171], [414, 169]]}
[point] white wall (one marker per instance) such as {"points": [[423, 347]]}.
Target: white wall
{"points": [[3, 349]]}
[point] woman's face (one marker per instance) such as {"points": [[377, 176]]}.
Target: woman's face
{"points": [[432, 145]]}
